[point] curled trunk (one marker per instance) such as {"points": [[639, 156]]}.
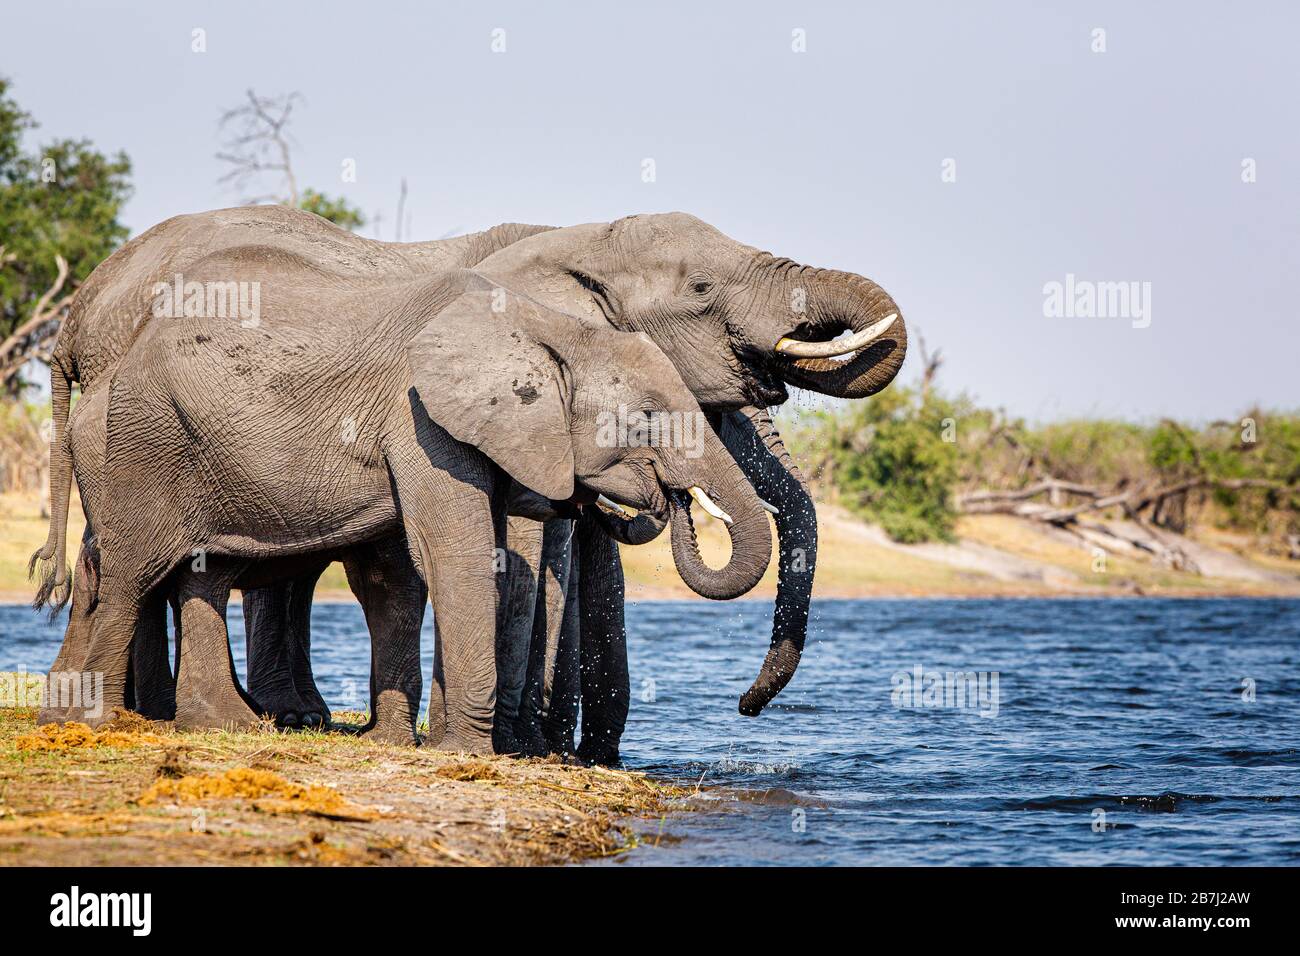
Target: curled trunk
{"points": [[836, 302], [751, 547]]}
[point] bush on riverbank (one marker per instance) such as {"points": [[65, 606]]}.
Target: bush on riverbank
{"points": [[904, 458]]}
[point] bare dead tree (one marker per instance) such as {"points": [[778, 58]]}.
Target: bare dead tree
{"points": [[35, 337], [401, 204], [929, 365], [259, 143]]}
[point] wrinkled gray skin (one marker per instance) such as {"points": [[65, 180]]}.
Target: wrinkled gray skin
{"points": [[717, 307], [112, 305], [448, 384]]}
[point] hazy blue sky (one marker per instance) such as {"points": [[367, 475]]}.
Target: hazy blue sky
{"points": [[1117, 166]]}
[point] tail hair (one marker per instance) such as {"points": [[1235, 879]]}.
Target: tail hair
{"points": [[55, 587]]}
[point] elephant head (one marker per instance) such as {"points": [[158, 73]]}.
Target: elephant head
{"points": [[737, 323], [571, 411]]}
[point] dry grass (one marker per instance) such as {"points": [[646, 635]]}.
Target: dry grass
{"points": [[307, 798], [72, 736]]}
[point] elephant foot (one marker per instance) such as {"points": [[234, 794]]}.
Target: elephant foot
{"points": [[391, 733], [79, 715], [505, 742], [560, 744], [290, 710], [158, 709], [599, 755], [480, 745], [532, 742], [52, 715], [203, 713]]}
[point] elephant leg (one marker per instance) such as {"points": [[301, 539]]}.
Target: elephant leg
{"points": [[537, 723], [315, 712], [277, 625], [392, 596], [560, 692], [453, 502], [521, 562], [207, 690], [153, 688], [437, 694], [266, 633], [71, 658], [90, 692], [605, 684], [463, 592]]}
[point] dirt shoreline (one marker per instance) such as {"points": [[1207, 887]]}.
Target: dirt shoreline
{"points": [[145, 794]]}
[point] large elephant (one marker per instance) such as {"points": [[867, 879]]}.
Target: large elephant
{"points": [[231, 433], [737, 323], [111, 308]]}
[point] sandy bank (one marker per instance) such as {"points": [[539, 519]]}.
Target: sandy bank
{"points": [[149, 795]]}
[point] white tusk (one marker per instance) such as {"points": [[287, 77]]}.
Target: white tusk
{"points": [[770, 509], [612, 506], [708, 505], [836, 347]]}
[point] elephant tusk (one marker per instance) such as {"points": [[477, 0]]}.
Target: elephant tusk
{"points": [[836, 347], [609, 505], [708, 504], [770, 509]]}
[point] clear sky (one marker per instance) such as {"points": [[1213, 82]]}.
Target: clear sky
{"points": [[1115, 166]]}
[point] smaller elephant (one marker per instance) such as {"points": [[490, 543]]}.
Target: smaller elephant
{"points": [[456, 385]]}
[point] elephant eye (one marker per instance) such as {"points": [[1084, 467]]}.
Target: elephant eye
{"points": [[701, 286]]}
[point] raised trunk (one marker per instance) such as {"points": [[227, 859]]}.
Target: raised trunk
{"points": [[836, 302]]}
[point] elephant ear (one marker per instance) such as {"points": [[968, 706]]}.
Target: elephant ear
{"points": [[483, 376]]}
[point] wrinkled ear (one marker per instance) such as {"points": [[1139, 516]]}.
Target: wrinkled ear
{"points": [[483, 376]]}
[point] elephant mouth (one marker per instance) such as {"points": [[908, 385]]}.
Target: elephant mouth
{"points": [[837, 342], [833, 343]]}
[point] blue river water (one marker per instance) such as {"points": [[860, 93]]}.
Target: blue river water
{"points": [[1110, 731]]}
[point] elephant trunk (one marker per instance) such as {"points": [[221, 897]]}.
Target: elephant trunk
{"points": [[751, 544], [834, 302], [757, 447]]}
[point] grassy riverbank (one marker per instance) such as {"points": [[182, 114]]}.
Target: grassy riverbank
{"points": [[145, 794]]}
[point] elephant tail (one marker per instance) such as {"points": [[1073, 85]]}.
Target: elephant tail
{"points": [[51, 561]]}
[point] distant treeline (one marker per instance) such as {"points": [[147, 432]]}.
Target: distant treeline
{"points": [[914, 459]]}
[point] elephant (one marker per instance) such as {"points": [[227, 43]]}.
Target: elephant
{"points": [[739, 325], [452, 386], [390, 591]]}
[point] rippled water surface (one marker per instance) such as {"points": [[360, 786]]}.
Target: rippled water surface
{"points": [[1134, 714]]}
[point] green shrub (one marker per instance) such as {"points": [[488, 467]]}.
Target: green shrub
{"points": [[895, 462]]}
